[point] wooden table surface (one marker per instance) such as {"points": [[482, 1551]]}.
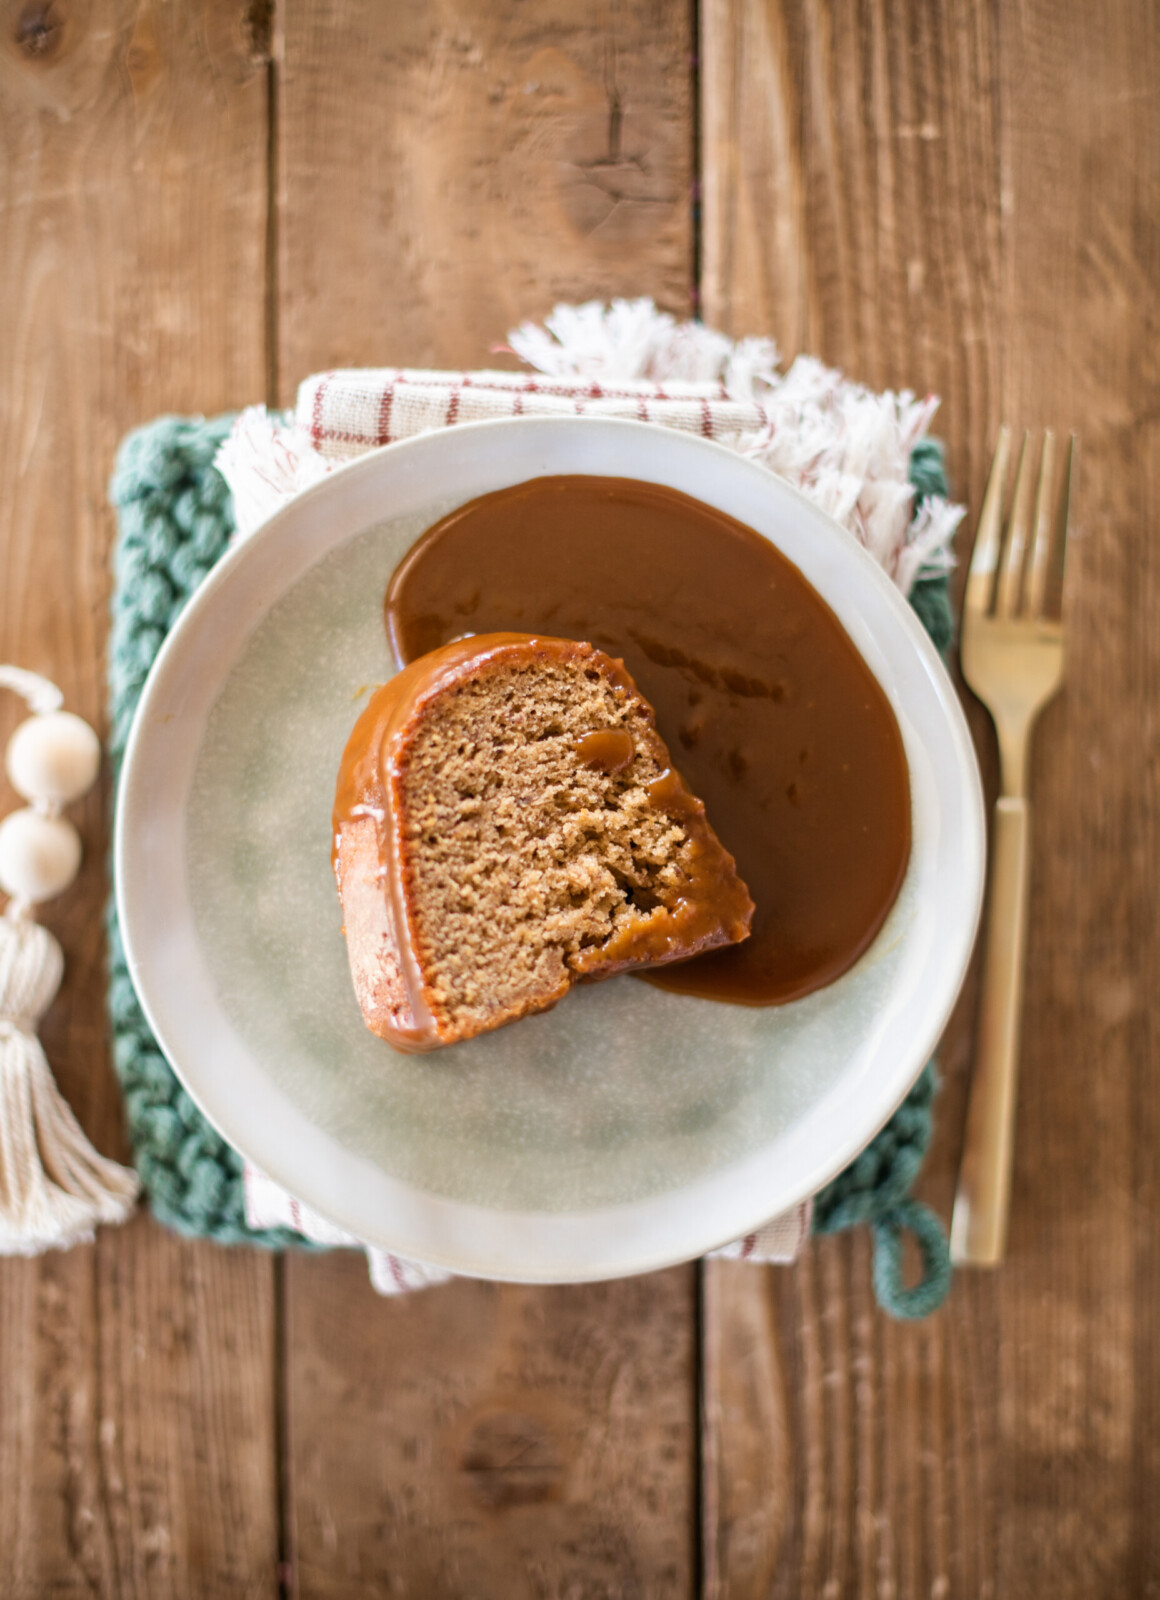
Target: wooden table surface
{"points": [[204, 201]]}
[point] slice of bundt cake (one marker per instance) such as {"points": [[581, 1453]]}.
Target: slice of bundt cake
{"points": [[507, 822]]}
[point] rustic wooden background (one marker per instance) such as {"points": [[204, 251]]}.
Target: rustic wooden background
{"points": [[201, 202]]}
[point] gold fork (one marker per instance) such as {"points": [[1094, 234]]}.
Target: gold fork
{"points": [[1012, 657]]}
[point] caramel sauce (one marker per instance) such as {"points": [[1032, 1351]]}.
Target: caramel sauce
{"points": [[772, 716], [607, 749]]}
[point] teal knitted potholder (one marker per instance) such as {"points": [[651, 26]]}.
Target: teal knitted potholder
{"points": [[175, 520]]}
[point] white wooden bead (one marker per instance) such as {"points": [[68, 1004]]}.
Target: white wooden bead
{"points": [[53, 758], [39, 855]]}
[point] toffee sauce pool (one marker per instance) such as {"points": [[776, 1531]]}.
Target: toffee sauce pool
{"points": [[769, 711]]}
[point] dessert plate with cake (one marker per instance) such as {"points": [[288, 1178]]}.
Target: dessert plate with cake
{"points": [[552, 700]]}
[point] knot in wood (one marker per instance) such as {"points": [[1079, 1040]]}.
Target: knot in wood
{"points": [[511, 1459], [39, 29]]}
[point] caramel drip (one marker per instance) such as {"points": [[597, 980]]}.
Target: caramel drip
{"points": [[607, 749]]}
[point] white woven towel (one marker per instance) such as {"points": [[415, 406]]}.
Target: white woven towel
{"points": [[844, 446], [268, 1205]]}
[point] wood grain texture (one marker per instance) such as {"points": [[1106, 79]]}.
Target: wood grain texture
{"points": [[444, 172], [842, 1452], [487, 1440], [136, 1403], [967, 202], [447, 170], [957, 197], [1081, 231]]}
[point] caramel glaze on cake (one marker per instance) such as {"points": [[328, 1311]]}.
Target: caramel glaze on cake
{"points": [[508, 822]]}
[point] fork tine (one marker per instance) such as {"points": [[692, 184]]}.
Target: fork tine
{"points": [[985, 556], [1041, 548], [1010, 583], [1062, 516]]}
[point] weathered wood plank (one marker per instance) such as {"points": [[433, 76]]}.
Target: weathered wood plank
{"points": [[481, 1440], [1077, 1464], [851, 183], [961, 209], [136, 1411], [851, 210], [446, 171]]}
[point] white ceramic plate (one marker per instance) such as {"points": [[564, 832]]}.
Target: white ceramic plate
{"points": [[623, 1131]]}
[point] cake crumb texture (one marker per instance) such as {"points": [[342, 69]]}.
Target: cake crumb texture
{"points": [[524, 864]]}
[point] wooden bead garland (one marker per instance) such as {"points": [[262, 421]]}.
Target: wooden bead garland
{"points": [[54, 1187], [53, 758]]}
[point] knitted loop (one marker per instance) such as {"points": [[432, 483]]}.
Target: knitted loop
{"points": [[931, 1290], [175, 520], [875, 1190]]}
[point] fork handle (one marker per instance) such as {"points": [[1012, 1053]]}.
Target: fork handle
{"points": [[983, 1198]]}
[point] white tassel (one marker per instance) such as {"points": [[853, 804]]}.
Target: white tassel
{"points": [[631, 339], [841, 444], [54, 1187], [266, 461]]}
